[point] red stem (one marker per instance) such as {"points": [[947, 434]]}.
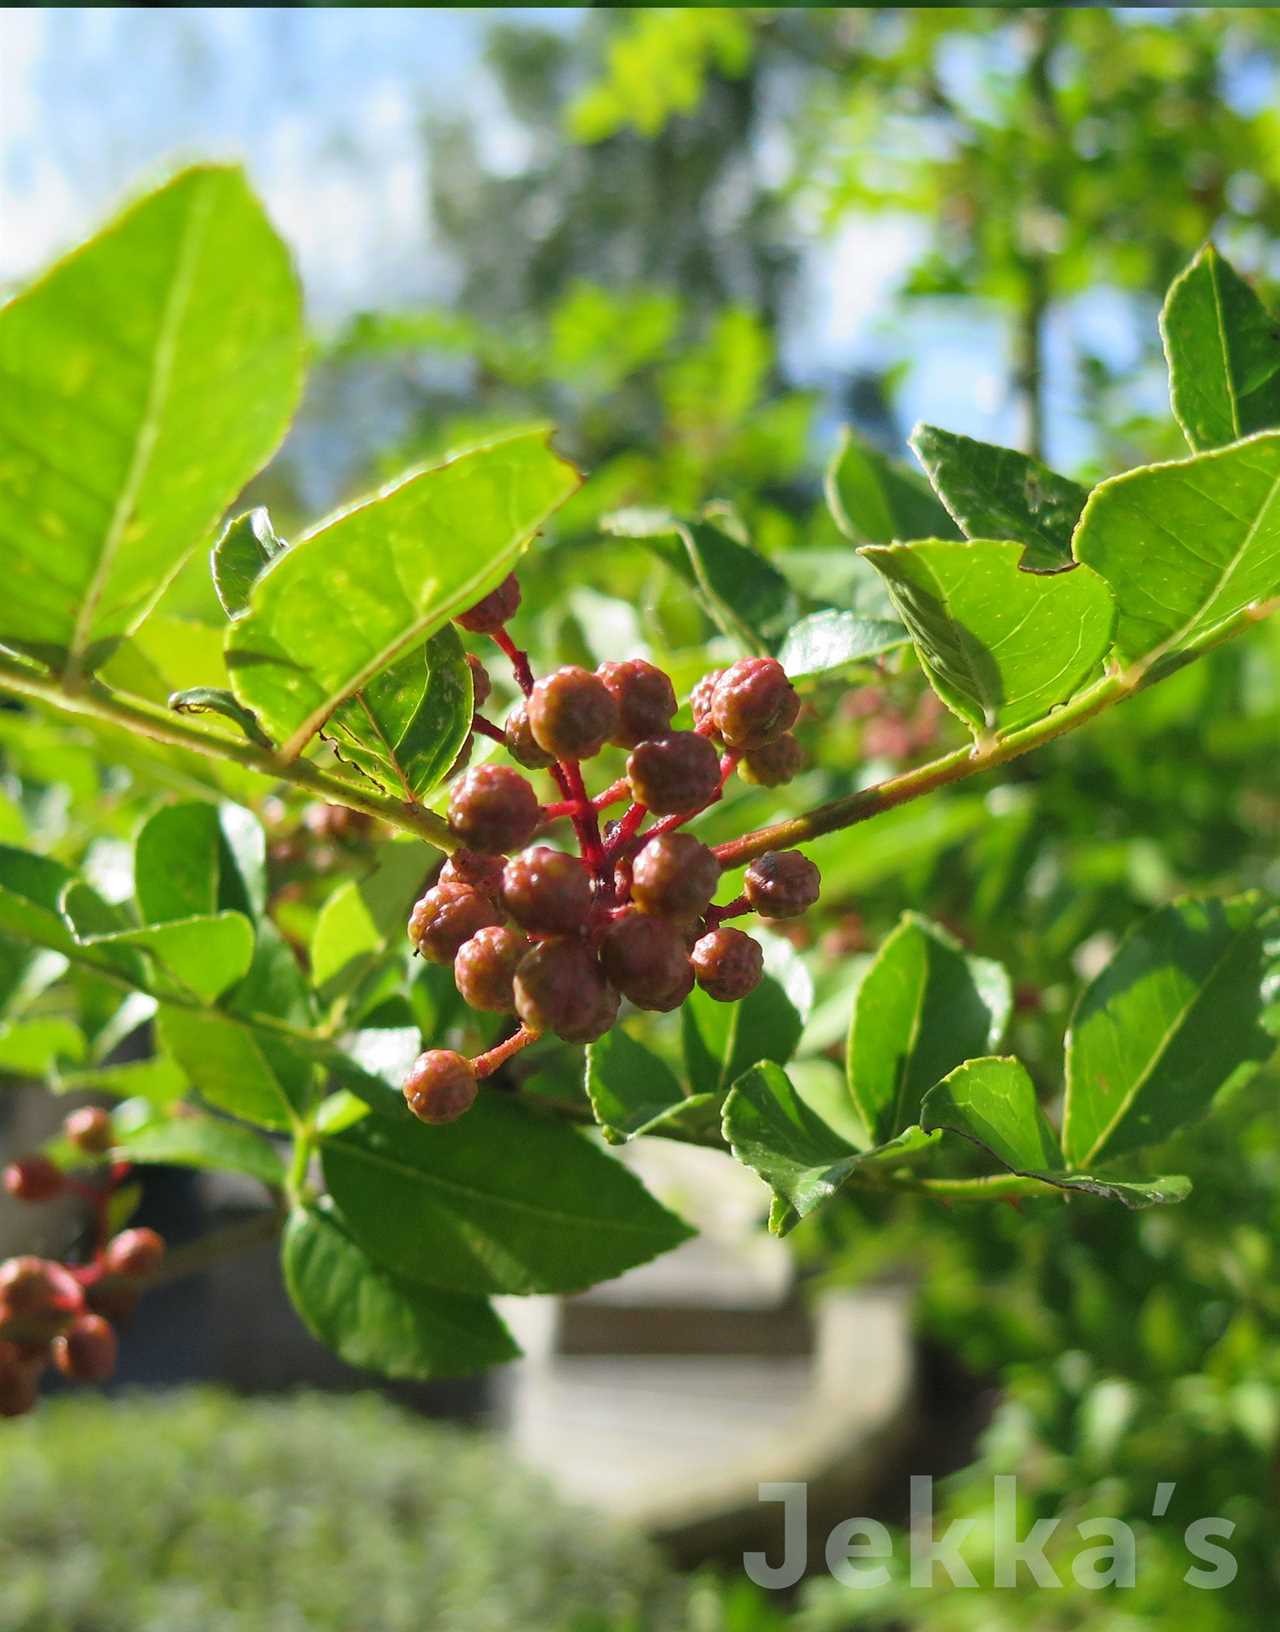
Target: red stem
{"points": [[620, 789], [731, 909], [519, 660], [486, 728], [626, 830], [486, 1064]]}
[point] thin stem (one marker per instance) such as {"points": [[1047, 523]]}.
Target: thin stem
{"points": [[95, 702], [486, 728], [626, 830], [519, 660], [487, 1063], [621, 789], [737, 908]]}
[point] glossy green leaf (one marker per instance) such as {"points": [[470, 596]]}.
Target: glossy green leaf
{"points": [[207, 1143], [1173, 1018], [1186, 545], [31, 887], [922, 1008], [181, 324], [631, 1090], [744, 596], [722, 1039], [374, 1319], [160, 1081], [406, 727], [30, 1048], [875, 500], [1000, 646], [203, 955], [771, 1130], [186, 864], [1223, 349], [349, 598], [205, 700], [500, 1201], [248, 544], [830, 640], [992, 1103], [998, 493], [228, 1063], [364, 917]]}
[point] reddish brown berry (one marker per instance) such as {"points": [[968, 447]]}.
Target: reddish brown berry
{"points": [[474, 869], [603, 1020], [90, 1130], [777, 762], [19, 1382], [754, 703], [485, 968], [645, 699], [440, 1087], [520, 744], [34, 1178], [702, 696], [727, 964], [560, 988], [37, 1287], [499, 606], [572, 713], [87, 1351], [481, 685], [547, 891], [493, 808], [463, 757], [674, 774], [135, 1254], [446, 916], [674, 876], [645, 958], [781, 884], [116, 1299]]}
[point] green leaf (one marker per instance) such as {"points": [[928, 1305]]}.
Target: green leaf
{"points": [[185, 862], [405, 728], [922, 1008], [830, 640], [631, 1090], [159, 1081], [216, 700], [1186, 545], [230, 1065], [347, 599], [875, 500], [1223, 348], [363, 917], [247, 546], [180, 324], [374, 1319], [30, 1048], [206, 1143], [203, 955], [997, 493], [992, 1103], [744, 596], [1173, 1018], [771, 1130], [1000, 646], [722, 1039], [31, 888], [499, 1201]]}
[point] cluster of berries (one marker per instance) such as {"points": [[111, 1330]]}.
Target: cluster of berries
{"points": [[558, 939], [63, 1314]]}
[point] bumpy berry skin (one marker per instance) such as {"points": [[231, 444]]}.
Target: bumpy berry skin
{"points": [[645, 958], [481, 685], [777, 762], [754, 703], [546, 891], [447, 916], [135, 1254], [781, 884], [572, 713], [474, 869], [485, 967], [19, 1386], [727, 964], [499, 606], [702, 696], [674, 774], [492, 808], [440, 1087], [87, 1351], [604, 1019], [560, 988], [645, 699], [33, 1179], [90, 1130], [674, 876], [520, 744]]}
